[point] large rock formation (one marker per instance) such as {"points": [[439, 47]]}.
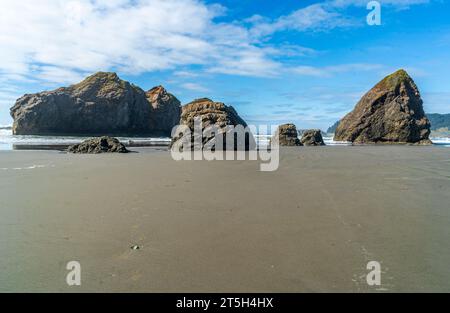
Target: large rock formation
{"points": [[312, 137], [165, 110], [391, 112], [98, 145], [216, 114], [287, 135], [101, 104]]}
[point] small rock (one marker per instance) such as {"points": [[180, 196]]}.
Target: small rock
{"points": [[312, 137], [287, 135], [99, 145]]}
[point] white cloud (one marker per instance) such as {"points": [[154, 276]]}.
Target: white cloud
{"points": [[194, 87], [328, 71], [321, 16], [314, 17], [185, 74], [60, 41], [249, 61], [395, 3], [310, 71]]}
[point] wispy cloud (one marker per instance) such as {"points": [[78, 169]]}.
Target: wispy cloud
{"points": [[329, 71], [396, 3], [61, 41], [435, 102], [314, 17], [194, 87], [321, 16]]}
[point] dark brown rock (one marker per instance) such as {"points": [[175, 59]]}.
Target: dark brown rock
{"points": [[312, 137], [392, 112], [102, 104], [165, 110], [287, 136], [213, 113], [99, 145]]}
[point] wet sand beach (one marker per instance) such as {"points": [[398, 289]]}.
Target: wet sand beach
{"points": [[311, 226]]}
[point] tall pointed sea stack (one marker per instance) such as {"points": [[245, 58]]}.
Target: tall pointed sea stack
{"points": [[392, 112]]}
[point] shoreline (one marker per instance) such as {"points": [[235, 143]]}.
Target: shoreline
{"points": [[58, 143], [63, 147]]}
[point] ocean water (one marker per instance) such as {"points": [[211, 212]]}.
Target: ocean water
{"points": [[264, 140], [10, 142]]}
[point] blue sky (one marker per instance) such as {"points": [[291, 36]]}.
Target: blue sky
{"points": [[306, 62]]}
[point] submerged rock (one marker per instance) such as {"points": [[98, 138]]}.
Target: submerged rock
{"points": [[216, 114], [100, 104], [287, 135], [99, 145], [312, 137], [392, 112]]}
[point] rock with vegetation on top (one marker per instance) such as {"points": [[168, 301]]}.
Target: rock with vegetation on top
{"points": [[216, 114], [99, 145], [287, 136], [392, 112], [102, 104], [312, 137]]}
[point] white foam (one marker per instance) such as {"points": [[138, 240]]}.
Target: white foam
{"points": [[441, 141], [329, 141], [8, 140], [32, 167]]}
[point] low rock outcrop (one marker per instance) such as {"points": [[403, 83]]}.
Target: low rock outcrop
{"points": [[287, 136], [102, 104], [392, 112], [312, 137], [216, 114], [99, 145]]}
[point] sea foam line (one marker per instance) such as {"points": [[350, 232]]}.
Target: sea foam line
{"points": [[24, 168]]}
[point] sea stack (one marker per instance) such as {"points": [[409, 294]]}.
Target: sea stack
{"points": [[287, 136], [312, 137], [102, 104], [391, 112], [216, 114]]}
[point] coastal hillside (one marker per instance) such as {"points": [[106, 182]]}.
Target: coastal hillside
{"points": [[332, 129], [439, 121]]}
